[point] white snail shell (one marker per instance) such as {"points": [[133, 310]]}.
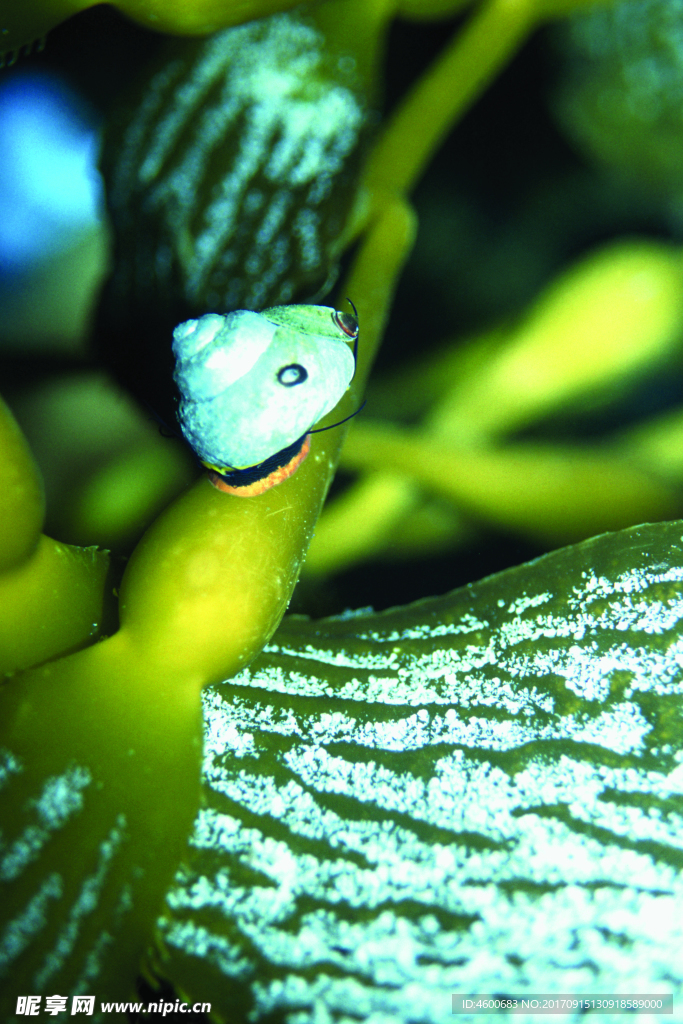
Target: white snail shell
{"points": [[252, 384]]}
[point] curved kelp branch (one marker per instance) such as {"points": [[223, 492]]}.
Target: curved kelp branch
{"points": [[211, 579], [51, 594]]}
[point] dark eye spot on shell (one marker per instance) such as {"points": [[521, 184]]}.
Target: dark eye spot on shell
{"points": [[292, 374]]}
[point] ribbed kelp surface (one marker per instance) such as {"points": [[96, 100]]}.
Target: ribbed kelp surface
{"points": [[56, 807], [477, 793], [230, 175], [95, 810]]}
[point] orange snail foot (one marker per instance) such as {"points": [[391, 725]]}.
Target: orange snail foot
{"points": [[266, 482]]}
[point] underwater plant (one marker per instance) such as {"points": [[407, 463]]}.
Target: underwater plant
{"points": [[478, 793], [22, 27], [461, 424], [380, 792]]}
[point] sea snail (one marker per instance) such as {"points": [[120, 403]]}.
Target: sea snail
{"points": [[252, 385]]}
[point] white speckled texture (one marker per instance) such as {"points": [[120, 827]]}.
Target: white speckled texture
{"points": [[479, 793], [60, 799], [27, 842], [222, 172]]}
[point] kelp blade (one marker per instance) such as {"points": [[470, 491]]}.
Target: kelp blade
{"points": [[478, 793]]}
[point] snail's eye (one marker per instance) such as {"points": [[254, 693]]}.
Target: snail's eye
{"points": [[293, 374], [346, 323]]}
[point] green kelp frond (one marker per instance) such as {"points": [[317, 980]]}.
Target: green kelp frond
{"points": [[460, 439], [480, 792]]}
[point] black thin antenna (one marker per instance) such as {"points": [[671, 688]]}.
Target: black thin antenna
{"points": [[319, 430]]}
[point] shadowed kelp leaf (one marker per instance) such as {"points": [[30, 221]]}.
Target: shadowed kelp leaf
{"points": [[479, 792]]}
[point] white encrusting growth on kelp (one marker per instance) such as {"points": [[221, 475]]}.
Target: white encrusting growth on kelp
{"points": [[87, 900], [29, 922], [226, 165], [60, 799], [474, 793], [58, 804]]}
